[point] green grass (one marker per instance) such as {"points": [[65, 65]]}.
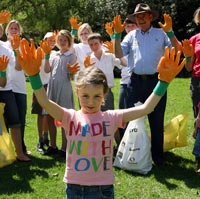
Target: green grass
{"points": [[42, 178]]}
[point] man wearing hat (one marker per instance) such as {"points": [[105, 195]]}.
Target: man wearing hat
{"points": [[144, 48]]}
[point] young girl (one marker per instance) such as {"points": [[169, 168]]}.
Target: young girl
{"points": [[89, 131], [59, 88]]}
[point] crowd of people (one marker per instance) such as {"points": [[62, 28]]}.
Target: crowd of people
{"points": [[148, 58]]}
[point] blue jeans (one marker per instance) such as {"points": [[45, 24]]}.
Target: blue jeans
{"points": [[75, 191], [196, 149]]}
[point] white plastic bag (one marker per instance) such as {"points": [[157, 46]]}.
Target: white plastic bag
{"points": [[134, 152]]}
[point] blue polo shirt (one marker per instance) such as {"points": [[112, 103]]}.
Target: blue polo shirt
{"points": [[144, 49]]}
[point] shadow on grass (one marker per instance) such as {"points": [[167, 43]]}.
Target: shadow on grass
{"points": [[16, 177], [175, 169]]}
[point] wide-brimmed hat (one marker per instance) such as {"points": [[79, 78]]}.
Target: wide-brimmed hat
{"points": [[142, 8]]}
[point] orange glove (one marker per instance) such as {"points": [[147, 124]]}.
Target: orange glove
{"points": [[15, 42], [167, 26], [87, 62], [45, 45], [187, 48], [74, 23], [4, 16], [3, 62], [109, 28], [30, 58], [73, 69], [109, 46], [118, 25], [169, 66]]}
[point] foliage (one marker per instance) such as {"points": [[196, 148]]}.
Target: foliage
{"points": [[39, 16]]}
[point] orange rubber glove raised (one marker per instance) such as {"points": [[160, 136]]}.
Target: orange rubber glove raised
{"points": [[15, 42], [109, 46], [45, 45], [168, 66], [109, 28], [118, 25], [87, 62], [187, 48], [167, 26], [3, 62], [74, 23], [73, 69], [30, 58], [4, 16]]}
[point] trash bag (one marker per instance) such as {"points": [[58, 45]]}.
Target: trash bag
{"points": [[175, 132], [7, 153], [134, 152]]}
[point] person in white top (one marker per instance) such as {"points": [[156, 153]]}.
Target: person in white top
{"points": [[81, 49], [106, 62], [18, 79], [7, 96], [42, 123]]}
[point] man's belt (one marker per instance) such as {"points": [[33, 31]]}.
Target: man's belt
{"points": [[145, 77]]}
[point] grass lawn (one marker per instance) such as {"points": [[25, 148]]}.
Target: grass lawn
{"points": [[42, 178]]}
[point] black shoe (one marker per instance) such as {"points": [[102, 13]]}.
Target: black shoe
{"points": [[40, 147], [51, 151]]}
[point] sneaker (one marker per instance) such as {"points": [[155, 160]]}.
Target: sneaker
{"points": [[51, 151], [46, 142], [40, 147]]}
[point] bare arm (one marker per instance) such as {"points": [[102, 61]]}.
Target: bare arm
{"points": [[47, 68], [117, 48], [144, 109]]}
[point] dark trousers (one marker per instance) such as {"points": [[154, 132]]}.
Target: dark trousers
{"points": [[139, 89]]}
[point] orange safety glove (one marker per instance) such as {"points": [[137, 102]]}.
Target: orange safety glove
{"points": [[73, 69], [4, 16], [109, 28], [45, 45], [167, 26], [87, 62], [74, 23], [3, 62], [187, 49], [30, 58], [109, 46], [15, 42], [118, 25], [169, 66]]}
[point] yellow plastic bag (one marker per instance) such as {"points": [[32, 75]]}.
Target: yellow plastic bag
{"points": [[7, 153], [175, 132]]}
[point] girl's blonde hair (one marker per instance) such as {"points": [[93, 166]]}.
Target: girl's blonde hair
{"points": [[66, 34], [84, 26], [91, 76], [12, 22], [197, 16]]}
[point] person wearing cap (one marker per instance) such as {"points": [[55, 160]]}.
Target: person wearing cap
{"points": [[42, 123], [144, 48]]}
